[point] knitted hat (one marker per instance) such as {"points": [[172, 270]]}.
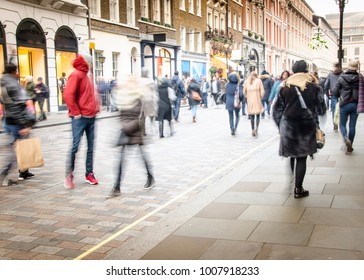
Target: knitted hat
{"points": [[300, 66], [353, 65], [264, 72]]}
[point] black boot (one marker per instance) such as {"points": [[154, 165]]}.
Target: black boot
{"points": [[114, 192], [161, 129], [150, 182], [300, 192]]}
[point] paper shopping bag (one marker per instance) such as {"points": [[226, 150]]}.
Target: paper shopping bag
{"points": [[29, 153]]}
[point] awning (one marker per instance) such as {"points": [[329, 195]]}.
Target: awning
{"points": [[233, 64]]}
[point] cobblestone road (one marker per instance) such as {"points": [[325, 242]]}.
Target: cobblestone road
{"points": [[39, 219]]}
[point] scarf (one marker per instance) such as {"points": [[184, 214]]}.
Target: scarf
{"points": [[299, 79], [361, 94]]}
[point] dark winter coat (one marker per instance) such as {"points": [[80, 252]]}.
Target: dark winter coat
{"points": [[178, 86], [231, 87], [131, 125], [164, 103], [347, 87], [14, 100], [193, 86], [297, 126], [268, 85], [331, 80], [43, 91]]}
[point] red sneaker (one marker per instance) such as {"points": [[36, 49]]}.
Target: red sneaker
{"points": [[90, 178], [68, 183]]}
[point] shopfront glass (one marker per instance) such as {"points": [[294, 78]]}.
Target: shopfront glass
{"points": [[2, 58], [64, 65], [31, 63]]}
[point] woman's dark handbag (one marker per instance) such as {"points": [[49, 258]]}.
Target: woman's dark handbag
{"points": [[320, 138], [123, 139]]}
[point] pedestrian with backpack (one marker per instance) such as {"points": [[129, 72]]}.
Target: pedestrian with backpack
{"points": [[179, 89]]}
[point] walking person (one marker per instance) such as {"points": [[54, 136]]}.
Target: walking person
{"points": [[82, 102], [243, 99], [30, 89], [205, 88], [254, 92], [179, 88], [273, 93], [232, 105], [215, 89], [17, 122], [164, 107], [129, 100], [329, 86], [268, 83], [62, 82], [295, 114], [42, 92], [194, 92], [347, 92]]}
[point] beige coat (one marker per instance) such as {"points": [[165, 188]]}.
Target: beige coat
{"points": [[254, 94]]}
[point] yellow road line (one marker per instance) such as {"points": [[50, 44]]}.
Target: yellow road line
{"points": [[112, 237]]}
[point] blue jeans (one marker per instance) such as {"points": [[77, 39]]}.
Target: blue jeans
{"points": [[79, 126], [204, 98], [348, 111], [268, 107], [231, 119], [177, 106], [8, 157], [194, 110], [333, 104]]}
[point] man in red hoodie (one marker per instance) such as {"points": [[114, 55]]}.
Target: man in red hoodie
{"points": [[82, 102]]}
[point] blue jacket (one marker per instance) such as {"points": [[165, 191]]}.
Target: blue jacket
{"points": [[231, 87]]}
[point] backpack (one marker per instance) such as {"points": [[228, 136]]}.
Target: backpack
{"points": [[176, 87]]}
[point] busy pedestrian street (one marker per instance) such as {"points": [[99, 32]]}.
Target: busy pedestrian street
{"points": [[216, 196]]}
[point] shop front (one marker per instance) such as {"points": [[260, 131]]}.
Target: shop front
{"points": [[160, 59], [66, 48], [2, 47]]}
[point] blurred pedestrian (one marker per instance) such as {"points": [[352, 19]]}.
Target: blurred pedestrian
{"points": [[347, 92], [129, 100], [273, 93], [164, 107], [268, 83], [295, 113], [42, 92], [253, 92], [232, 105], [215, 89], [329, 86], [205, 88], [243, 99], [83, 105], [179, 88], [194, 93], [62, 82], [30, 89], [19, 118]]}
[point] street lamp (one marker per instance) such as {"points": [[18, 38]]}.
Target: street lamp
{"points": [[341, 4], [102, 60]]}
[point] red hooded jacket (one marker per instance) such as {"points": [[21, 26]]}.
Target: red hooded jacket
{"points": [[79, 94]]}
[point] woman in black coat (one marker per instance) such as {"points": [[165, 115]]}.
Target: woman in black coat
{"points": [[193, 86], [297, 125], [164, 107]]}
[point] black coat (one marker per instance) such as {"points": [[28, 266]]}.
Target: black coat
{"points": [[297, 126], [347, 87]]}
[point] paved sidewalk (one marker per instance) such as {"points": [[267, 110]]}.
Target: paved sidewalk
{"points": [[251, 214]]}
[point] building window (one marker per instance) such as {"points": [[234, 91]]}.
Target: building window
{"points": [[130, 12], [199, 42], [254, 27], [357, 38], [216, 22], [248, 19], [209, 19], [167, 11], [98, 68], [239, 23], [182, 37], [191, 40], [198, 7], [156, 9], [357, 51], [190, 6], [229, 19], [182, 5], [234, 21], [114, 10], [115, 64], [94, 8], [144, 8]]}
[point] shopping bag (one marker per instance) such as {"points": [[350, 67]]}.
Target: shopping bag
{"points": [[29, 153]]}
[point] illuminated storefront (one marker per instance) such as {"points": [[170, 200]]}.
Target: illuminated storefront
{"points": [[66, 48], [2, 47]]}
